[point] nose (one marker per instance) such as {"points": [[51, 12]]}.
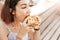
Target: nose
{"points": [[28, 11]]}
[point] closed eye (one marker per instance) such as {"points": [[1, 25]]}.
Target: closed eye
{"points": [[23, 6], [31, 5]]}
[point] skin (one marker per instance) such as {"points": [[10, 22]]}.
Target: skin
{"points": [[22, 9], [20, 13]]}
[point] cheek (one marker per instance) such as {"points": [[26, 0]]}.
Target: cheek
{"points": [[23, 11], [20, 12]]}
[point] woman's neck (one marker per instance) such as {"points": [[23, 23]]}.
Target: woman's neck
{"points": [[18, 20], [15, 26]]}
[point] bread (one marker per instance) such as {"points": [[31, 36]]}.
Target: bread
{"points": [[33, 21]]}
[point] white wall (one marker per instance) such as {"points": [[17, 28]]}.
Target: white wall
{"points": [[42, 6]]}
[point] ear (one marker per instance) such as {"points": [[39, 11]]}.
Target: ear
{"points": [[12, 11]]}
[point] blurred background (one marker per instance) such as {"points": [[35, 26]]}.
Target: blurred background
{"points": [[49, 12]]}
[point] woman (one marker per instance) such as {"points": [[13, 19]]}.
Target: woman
{"points": [[13, 14]]}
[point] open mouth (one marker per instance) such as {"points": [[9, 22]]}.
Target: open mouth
{"points": [[26, 16]]}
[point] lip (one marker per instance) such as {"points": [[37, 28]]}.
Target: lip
{"points": [[27, 15]]}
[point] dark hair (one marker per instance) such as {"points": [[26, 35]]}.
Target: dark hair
{"points": [[6, 15]]}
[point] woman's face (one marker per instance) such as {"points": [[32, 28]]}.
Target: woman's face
{"points": [[22, 9]]}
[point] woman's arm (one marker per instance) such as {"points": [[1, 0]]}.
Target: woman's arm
{"points": [[37, 35], [34, 35], [2, 34]]}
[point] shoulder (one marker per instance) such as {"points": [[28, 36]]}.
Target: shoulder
{"points": [[1, 25], [2, 28], [3, 34]]}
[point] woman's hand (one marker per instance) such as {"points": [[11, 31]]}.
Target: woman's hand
{"points": [[29, 28], [34, 31], [32, 22]]}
